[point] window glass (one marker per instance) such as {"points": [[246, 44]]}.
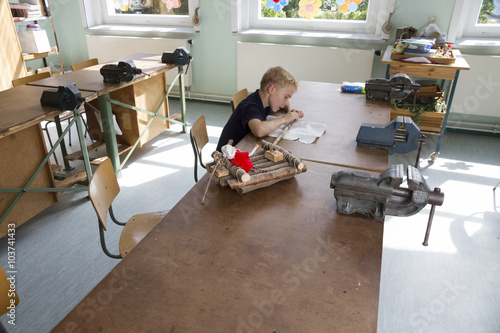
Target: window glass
{"points": [[490, 12], [315, 9], [148, 7]]}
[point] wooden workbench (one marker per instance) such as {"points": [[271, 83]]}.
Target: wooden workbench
{"points": [[138, 93], [431, 71], [279, 259], [23, 148], [144, 92], [343, 114]]}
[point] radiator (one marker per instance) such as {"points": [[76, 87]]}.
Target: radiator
{"points": [[110, 48], [477, 96], [306, 63]]}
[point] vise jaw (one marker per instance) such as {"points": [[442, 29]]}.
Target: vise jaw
{"points": [[400, 135], [375, 197]]}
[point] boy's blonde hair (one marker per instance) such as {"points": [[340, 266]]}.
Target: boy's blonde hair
{"points": [[279, 76]]}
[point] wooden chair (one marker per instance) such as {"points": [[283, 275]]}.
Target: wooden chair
{"points": [[30, 78], [238, 97], [103, 189], [199, 138], [7, 297], [86, 63], [66, 115]]}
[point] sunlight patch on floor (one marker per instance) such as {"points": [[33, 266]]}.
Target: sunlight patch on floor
{"points": [[141, 172]]}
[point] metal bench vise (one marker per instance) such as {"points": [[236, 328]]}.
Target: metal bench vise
{"points": [[359, 192], [66, 97], [124, 71], [398, 87], [400, 135]]}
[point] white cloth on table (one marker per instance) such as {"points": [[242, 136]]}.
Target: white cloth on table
{"points": [[302, 131]]}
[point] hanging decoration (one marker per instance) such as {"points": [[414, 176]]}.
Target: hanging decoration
{"points": [[277, 5], [171, 4], [309, 8], [121, 5], [350, 6]]}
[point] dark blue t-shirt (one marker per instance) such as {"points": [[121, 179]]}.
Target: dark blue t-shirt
{"points": [[237, 125]]}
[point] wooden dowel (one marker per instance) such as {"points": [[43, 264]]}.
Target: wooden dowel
{"points": [[265, 177], [234, 170], [278, 139], [289, 157]]}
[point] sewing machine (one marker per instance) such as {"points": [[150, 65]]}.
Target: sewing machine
{"points": [[375, 197]]}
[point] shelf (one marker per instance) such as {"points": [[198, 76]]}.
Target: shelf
{"points": [[30, 19], [32, 56]]}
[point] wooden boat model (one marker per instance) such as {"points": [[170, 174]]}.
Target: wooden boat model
{"points": [[264, 173]]}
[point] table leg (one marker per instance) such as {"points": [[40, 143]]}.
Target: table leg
{"points": [[83, 146], [109, 132], [182, 94], [435, 154], [67, 167]]}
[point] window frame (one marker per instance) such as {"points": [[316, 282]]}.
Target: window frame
{"points": [[96, 14], [246, 17], [463, 25]]}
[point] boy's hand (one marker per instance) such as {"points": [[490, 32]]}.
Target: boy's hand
{"points": [[293, 115], [300, 113]]}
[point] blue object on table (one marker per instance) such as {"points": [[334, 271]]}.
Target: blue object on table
{"points": [[353, 87], [401, 136]]}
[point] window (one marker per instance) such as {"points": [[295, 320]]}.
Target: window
{"points": [[475, 18], [364, 17], [159, 13]]}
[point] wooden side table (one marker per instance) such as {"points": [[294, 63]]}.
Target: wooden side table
{"points": [[431, 71]]}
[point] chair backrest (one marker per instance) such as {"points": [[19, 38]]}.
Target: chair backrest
{"points": [[103, 189], [86, 63], [238, 97], [6, 293], [30, 78], [199, 133]]}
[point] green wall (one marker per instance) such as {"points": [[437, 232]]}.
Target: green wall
{"points": [[214, 49]]}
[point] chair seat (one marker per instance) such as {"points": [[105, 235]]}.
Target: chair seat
{"points": [[137, 228]]}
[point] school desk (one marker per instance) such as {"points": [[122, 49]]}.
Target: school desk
{"points": [[277, 259], [27, 184], [140, 105]]}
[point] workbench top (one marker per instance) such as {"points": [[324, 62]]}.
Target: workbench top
{"points": [[343, 114], [276, 259]]}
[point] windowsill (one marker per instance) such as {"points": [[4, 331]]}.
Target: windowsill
{"points": [[142, 30], [477, 43], [324, 35]]}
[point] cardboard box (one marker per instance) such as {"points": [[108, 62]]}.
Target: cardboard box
{"points": [[34, 41]]}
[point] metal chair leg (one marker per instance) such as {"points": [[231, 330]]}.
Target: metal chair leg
{"points": [[69, 132], [46, 129]]}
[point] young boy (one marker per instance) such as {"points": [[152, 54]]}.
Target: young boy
{"points": [[276, 88]]}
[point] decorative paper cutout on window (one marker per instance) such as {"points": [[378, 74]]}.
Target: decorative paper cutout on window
{"points": [[350, 6], [309, 8], [119, 4], [277, 5], [172, 4]]}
